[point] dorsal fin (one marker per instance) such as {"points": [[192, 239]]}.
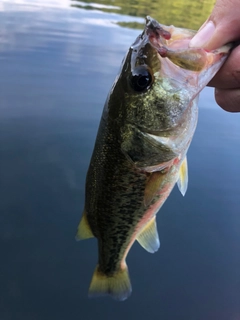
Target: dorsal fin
{"points": [[84, 231], [148, 237], [183, 177]]}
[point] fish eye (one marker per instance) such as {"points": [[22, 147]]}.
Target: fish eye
{"points": [[141, 79]]}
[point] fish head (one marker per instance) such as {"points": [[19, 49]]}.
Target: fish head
{"points": [[156, 90], [161, 75]]}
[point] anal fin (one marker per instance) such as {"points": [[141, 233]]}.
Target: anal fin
{"points": [[84, 231], [148, 237], [183, 177]]}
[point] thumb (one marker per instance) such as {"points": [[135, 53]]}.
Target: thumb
{"points": [[221, 27]]}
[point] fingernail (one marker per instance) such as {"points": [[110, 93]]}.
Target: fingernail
{"points": [[203, 35]]}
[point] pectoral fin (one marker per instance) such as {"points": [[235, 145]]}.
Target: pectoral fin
{"points": [[183, 177], [84, 231], [148, 237], [153, 185]]}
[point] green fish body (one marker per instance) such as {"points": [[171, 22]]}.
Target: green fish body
{"points": [[146, 128]]}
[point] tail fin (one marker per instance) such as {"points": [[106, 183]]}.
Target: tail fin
{"points": [[118, 286]]}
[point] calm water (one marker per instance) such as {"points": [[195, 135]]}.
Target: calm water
{"points": [[58, 61]]}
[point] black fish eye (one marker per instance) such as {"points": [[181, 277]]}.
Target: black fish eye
{"points": [[141, 79]]}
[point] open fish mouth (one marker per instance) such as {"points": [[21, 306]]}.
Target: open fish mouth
{"points": [[173, 43], [184, 66]]}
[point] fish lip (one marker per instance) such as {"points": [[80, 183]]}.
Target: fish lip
{"points": [[155, 33], [163, 38], [159, 36], [154, 29]]}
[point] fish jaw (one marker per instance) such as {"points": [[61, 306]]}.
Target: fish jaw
{"points": [[179, 73], [199, 65]]}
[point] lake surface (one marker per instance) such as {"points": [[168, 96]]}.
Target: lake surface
{"points": [[58, 60]]}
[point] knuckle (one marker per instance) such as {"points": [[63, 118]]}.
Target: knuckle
{"points": [[219, 97], [228, 100]]}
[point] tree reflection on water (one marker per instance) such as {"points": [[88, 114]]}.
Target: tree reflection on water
{"points": [[181, 13]]}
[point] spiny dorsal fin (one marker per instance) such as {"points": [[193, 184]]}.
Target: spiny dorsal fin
{"points": [[183, 177], [84, 231], [118, 285], [148, 237]]}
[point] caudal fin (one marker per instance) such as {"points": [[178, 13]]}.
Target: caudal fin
{"points": [[118, 286]]}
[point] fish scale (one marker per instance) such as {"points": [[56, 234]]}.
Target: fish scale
{"points": [[147, 125]]}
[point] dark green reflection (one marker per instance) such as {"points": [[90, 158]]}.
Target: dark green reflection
{"points": [[181, 13]]}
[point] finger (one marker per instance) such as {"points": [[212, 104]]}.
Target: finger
{"points": [[229, 100], [221, 27], [228, 77]]}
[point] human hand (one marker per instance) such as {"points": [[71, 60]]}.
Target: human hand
{"points": [[221, 27]]}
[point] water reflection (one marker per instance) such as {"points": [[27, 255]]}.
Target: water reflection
{"points": [[91, 5], [181, 13], [33, 5]]}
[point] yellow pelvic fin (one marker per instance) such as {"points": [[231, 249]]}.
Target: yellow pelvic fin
{"points": [[118, 285], [148, 237], [84, 231], [153, 185], [183, 177]]}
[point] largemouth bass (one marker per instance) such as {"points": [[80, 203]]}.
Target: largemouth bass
{"points": [[146, 128]]}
